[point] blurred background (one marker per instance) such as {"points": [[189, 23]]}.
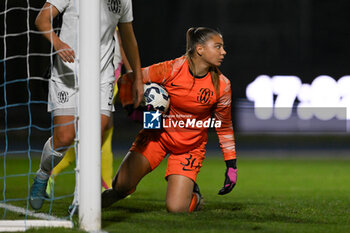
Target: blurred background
{"points": [[298, 40]]}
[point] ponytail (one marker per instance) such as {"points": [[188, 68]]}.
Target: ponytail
{"points": [[200, 35]]}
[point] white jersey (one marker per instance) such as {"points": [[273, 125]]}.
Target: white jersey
{"points": [[112, 12], [117, 54]]}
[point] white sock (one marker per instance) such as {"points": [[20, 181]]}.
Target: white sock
{"points": [[49, 159]]}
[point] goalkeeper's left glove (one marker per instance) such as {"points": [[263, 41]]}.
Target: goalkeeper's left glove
{"points": [[230, 177]]}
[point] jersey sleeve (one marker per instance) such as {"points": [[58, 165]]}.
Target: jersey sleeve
{"points": [[126, 16], [158, 73], [61, 5], [222, 112]]}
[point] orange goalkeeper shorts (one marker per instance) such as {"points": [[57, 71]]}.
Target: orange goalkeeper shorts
{"points": [[187, 164]]}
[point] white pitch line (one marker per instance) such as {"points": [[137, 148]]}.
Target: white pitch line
{"points": [[28, 212], [24, 225]]}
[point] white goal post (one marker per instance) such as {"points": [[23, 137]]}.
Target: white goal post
{"points": [[89, 126]]}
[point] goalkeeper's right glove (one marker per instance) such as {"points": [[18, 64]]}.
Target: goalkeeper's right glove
{"points": [[136, 114]]}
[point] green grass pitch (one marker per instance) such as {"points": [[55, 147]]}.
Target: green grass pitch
{"points": [[272, 195]]}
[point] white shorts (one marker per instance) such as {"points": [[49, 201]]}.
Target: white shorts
{"points": [[64, 98]]}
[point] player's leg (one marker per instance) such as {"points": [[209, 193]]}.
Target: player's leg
{"points": [[145, 155], [52, 154], [133, 168], [68, 159], [179, 193], [107, 156], [183, 194], [106, 162], [54, 148], [64, 132], [62, 98]]}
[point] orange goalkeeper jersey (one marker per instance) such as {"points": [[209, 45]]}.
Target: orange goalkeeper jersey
{"points": [[193, 101]]}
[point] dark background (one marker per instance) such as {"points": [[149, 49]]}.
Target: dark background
{"points": [[306, 38], [298, 37]]}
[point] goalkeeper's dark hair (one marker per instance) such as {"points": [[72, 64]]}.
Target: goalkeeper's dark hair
{"points": [[200, 35]]}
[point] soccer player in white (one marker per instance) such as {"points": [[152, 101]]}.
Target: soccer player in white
{"points": [[63, 93]]}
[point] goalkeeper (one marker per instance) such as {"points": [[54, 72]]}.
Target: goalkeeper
{"points": [[106, 152], [197, 89], [63, 91]]}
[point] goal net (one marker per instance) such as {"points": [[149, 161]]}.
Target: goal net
{"points": [[25, 62]]}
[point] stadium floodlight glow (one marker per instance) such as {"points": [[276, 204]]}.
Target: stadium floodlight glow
{"points": [[324, 98]]}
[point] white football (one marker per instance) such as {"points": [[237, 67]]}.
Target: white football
{"points": [[156, 96]]}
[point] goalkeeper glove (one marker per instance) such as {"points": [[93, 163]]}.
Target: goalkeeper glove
{"points": [[230, 177], [137, 114]]}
